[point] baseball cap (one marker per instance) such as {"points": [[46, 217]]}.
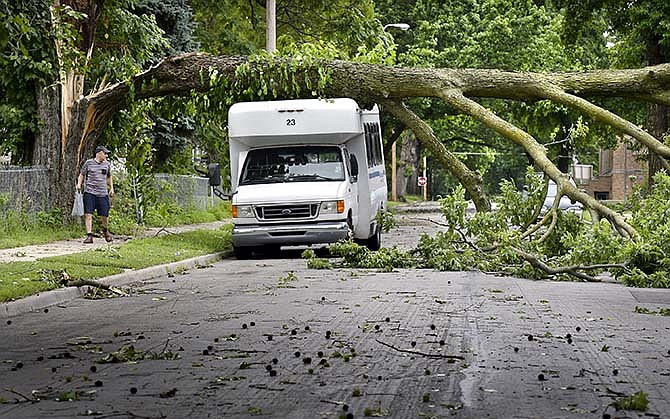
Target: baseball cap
{"points": [[101, 148]]}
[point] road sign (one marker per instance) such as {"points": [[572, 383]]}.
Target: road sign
{"points": [[421, 181]]}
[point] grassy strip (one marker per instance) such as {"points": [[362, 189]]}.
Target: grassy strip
{"points": [[19, 279], [19, 229]]}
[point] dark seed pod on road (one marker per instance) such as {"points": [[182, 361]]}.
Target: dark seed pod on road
{"points": [[530, 338], [540, 377], [93, 368], [252, 324], [133, 390], [297, 354], [98, 383], [273, 373], [244, 325]]}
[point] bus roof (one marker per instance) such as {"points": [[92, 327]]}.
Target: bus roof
{"points": [[332, 121]]}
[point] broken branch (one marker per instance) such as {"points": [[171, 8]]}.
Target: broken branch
{"points": [[420, 353]]}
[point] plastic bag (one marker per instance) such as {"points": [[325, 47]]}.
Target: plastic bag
{"points": [[78, 205]]}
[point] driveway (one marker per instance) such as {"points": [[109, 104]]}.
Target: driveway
{"points": [[271, 338]]}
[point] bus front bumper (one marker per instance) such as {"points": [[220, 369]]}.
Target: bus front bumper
{"points": [[289, 234]]}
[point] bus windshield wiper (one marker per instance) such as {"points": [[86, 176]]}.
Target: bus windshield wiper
{"points": [[314, 176]]}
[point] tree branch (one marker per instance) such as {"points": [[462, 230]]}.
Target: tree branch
{"points": [[407, 351], [537, 263], [538, 154], [603, 115], [470, 180]]}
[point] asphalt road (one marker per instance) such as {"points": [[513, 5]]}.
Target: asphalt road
{"points": [[407, 344]]}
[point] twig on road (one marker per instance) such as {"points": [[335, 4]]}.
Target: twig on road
{"points": [[388, 345], [28, 399]]}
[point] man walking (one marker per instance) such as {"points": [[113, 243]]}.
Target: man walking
{"points": [[97, 173]]}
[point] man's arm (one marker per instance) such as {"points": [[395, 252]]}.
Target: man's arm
{"points": [[80, 181], [111, 183]]}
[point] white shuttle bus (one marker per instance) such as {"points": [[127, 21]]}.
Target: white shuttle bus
{"points": [[305, 172]]}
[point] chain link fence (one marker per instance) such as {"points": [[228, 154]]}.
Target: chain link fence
{"points": [[24, 188], [185, 191], [27, 189]]}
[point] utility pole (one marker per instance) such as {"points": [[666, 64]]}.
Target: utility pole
{"points": [[425, 185], [394, 179], [271, 19]]}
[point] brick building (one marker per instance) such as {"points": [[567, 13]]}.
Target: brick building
{"points": [[620, 170]]}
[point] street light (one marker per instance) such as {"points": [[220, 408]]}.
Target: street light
{"points": [[401, 26]]}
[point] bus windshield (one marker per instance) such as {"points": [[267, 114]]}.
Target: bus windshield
{"points": [[293, 164]]}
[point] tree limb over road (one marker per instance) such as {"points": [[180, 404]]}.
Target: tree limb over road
{"points": [[390, 86]]}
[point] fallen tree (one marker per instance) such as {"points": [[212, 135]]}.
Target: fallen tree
{"points": [[390, 86], [508, 241]]}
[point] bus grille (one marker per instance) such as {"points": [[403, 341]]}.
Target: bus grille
{"points": [[287, 212]]}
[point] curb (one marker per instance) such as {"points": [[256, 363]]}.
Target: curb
{"points": [[63, 295]]}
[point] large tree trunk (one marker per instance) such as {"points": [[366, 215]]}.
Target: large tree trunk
{"points": [[657, 115], [47, 147]]}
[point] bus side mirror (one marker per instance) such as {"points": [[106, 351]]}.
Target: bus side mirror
{"points": [[353, 162], [214, 174]]}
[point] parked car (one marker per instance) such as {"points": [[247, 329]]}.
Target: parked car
{"points": [[565, 203]]}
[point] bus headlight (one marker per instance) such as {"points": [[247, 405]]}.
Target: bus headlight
{"points": [[242, 211], [332, 207]]}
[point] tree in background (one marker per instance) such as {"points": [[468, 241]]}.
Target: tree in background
{"points": [[519, 36], [639, 35]]}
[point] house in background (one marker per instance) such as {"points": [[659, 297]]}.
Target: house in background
{"points": [[620, 170]]}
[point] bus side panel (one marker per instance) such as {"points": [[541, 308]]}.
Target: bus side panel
{"points": [[361, 210]]}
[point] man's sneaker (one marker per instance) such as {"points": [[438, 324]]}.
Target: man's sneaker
{"points": [[108, 236], [89, 239]]}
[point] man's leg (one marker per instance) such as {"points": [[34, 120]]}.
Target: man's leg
{"points": [[103, 211], [88, 222], [89, 207]]}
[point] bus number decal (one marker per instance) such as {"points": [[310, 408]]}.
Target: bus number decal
{"points": [[290, 122]]}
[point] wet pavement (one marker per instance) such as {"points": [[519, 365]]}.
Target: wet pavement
{"points": [[271, 338]]}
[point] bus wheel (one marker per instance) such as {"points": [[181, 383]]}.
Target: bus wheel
{"points": [[242, 253], [375, 241]]}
